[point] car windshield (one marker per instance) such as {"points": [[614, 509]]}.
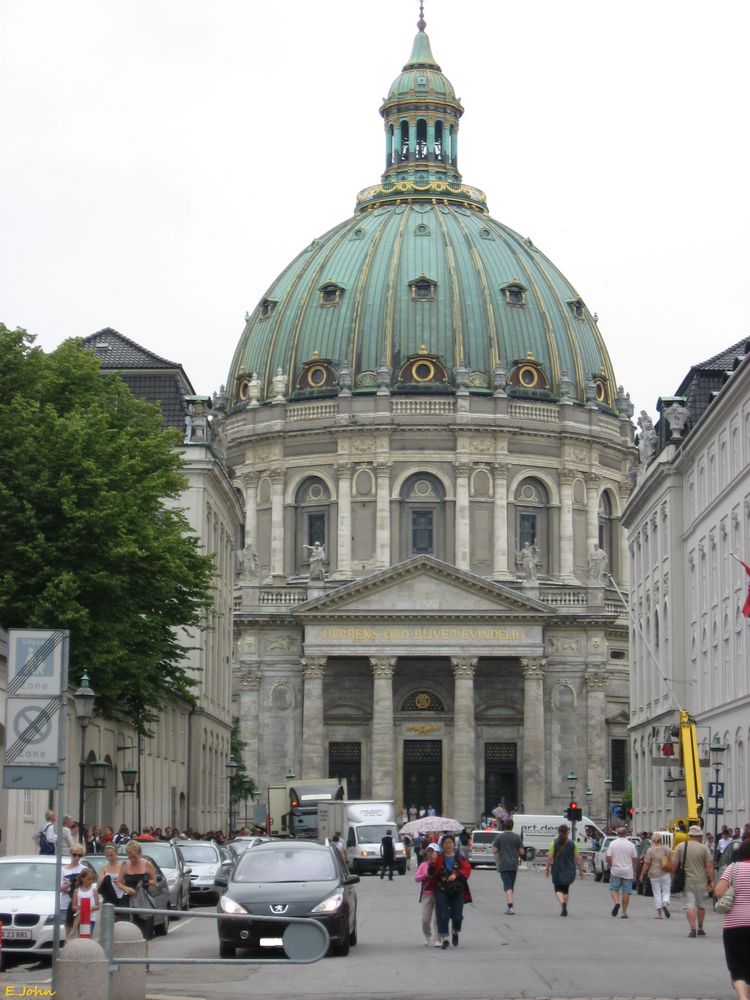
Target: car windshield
{"points": [[285, 866], [199, 854], [374, 834], [27, 877], [483, 836], [162, 854]]}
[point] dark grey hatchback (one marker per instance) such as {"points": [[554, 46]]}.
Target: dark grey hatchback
{"points": [[287, 878]]}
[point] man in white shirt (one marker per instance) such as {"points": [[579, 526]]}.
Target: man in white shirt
{"points": [[622, 859]]}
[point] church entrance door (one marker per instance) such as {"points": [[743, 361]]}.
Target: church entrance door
{"points": [[423, 774], [500, 777]]}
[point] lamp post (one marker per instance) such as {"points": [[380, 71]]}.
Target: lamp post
{"points": [[84, 704], [717, 749], [232, 766], [608, 790], [129, 774], [589, 797]]}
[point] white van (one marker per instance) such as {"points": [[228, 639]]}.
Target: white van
{"points": [[537, 832]]}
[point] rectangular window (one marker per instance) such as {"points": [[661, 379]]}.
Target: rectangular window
{"points": [[316, 529], [28, 811], [345, 761], [619, 763], [526, 530], [421, 532]]}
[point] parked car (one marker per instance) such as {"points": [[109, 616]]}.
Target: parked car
{"points": [[480, 847], [205, 860], [159, 892], [728, 855], [172, 864], [27, 903], [601, 868], [291, 878], [239, 845]]}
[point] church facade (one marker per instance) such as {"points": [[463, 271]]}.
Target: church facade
{"points": [[433, 453]]}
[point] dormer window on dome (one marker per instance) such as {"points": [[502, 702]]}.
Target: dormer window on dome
{"points": [[267, 306], [528, 374], [515, 293], [577, 307], [601, 387], [317, 373], [423, 368], [423, 289], [330, 293]]}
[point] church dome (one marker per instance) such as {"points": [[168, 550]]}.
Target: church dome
{"points": [[421, 270]]}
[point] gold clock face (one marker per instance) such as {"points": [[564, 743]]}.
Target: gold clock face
{"points": [[423, 701]]}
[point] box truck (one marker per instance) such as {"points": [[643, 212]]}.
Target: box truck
{"points": [[362, 825], [537, 832]]}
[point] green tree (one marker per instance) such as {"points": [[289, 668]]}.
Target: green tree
{"points": [[87, 542], [241, 785]]}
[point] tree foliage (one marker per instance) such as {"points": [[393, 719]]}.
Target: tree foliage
{"points": [[86, 540], [241, 785]]}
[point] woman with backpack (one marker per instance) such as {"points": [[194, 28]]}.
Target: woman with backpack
{"points": [[562, 861]]}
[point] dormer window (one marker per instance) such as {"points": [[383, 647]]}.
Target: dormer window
{"points": [[267, 306], [330, 294], [423, 289], [515, 293], [577, 307]]}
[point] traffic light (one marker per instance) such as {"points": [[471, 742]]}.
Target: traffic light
{"points": [[574, 812]]}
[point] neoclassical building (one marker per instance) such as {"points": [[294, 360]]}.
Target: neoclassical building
{"points": [[433, 455], [688, 520]]}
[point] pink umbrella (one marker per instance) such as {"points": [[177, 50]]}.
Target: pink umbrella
{"points": [[431, 824]]}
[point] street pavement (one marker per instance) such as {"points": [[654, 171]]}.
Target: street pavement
{"points": [[535, 954]]}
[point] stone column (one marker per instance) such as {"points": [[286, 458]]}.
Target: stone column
{"points": [[277, 524], [592, 512], [596, 737], [463, 534], [566, 527], [534, 791], [313, 764], [344, 548], [249, 723], [500, 569], [383, 751], [464, 806], [250, 484], [383, 515]]}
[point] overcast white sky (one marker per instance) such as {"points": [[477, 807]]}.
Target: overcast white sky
{"points": [[163, 161]]}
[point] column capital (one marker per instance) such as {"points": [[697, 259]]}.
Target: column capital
{"points": [[250, 479], [533, 666], [463, 468], [249, 680], [314, 667], [464, 666], [502, 470], [383, 469], [277, 476], [344, 470], [592, 479], [383, 666], [596, 680], [566, 477]]}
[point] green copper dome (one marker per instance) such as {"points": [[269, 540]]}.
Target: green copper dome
{"points": [[422, 271]]}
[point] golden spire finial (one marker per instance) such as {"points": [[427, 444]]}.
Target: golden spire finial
{"points": [[421, 23]]}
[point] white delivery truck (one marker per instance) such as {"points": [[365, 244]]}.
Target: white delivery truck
{"points": [[362, 825], [537, 832]]}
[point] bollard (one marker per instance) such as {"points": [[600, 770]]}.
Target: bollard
{"points": [[82, 970], [84, 918], [129, 981]]}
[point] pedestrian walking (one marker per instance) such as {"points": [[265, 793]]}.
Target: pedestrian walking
{"points": [[450, 873], [699, 872], [46, 836], [136, 875], [109, 882], [562, 861], [340, 846], [71, 873], [622, 859], [657, 866], [737, 921], [388, 854], [85, 890], [508, 850], [427, 893]]}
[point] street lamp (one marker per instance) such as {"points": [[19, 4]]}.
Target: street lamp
{"points": [[84, 703], [572, 778], [717, 748], [608, 789], [231, 766], [589, 797]]}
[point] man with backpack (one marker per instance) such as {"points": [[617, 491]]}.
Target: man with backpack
{"points": [[46, 836]]}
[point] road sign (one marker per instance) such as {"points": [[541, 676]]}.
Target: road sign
{"points": [[716, 810], [716, 789]]}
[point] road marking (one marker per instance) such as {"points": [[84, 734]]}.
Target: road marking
{"points": [[175, 925]]}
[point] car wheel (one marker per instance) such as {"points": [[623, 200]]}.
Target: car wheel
{"points": [[353, 934], [341, 949], [530, 853], [597, 876], [226, 950], [605, 877], [402, 871], [161, 930]]}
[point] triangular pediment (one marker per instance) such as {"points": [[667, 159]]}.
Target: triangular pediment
{"points": [[424, 586]]}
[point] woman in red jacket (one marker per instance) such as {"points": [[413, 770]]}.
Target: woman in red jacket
{"points": [[449, 873]]}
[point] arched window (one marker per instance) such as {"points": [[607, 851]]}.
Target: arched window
{"points": [[605, 525], [312, 503], [532, 520], [421, 139], [404, 154], [438, 140], [423, 516]]}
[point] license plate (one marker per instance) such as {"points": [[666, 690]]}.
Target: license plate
{"points": [[271, 943], [16, 934]]}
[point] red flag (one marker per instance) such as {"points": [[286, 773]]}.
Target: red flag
{"points": [[746, 605]]}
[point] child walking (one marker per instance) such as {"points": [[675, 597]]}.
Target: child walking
{"points": [[86, 890], [427, 894]]}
